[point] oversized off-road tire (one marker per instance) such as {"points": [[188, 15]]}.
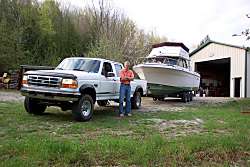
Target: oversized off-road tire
{"points": [[33, 106], [136, 100], [102, 102], [184, 97], [83, 108]]}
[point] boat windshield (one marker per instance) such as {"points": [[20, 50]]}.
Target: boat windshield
{"points": [[87, 65], [168, 60], [155, 60], [162, 60], [172, 61]]}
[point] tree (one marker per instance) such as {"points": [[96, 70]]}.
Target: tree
{"points": [[116, 36], [10, 40], [44, 33], [246, 32]]}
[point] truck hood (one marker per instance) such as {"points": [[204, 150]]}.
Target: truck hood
{"points": [[82, 75]]}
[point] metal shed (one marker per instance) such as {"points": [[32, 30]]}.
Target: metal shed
{"points": [[224, 69]]}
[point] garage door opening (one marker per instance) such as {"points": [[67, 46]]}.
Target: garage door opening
{"points": [[215, 77]]}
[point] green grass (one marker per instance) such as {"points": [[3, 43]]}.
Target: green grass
{"points": [[54, 139]]}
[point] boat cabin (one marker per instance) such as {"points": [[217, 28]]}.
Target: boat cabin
{"points": [[169, 53]]}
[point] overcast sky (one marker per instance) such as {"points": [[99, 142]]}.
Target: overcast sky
{"points": [[187, 21]]}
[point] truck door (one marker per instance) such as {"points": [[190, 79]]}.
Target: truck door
{"points": [[118, 68], [107, 90]]}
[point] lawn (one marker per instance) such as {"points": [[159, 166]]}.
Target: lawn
{"points": [[208, 135]]}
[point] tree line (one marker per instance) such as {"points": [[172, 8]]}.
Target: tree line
{"points": [[43, 33]]}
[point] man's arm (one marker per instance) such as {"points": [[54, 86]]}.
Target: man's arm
{"points": [[131, 78]]}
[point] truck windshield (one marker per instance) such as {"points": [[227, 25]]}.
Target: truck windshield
{"points": [[87, 65]]}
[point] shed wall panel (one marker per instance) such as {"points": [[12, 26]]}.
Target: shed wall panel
{"points": [[248, 74]]}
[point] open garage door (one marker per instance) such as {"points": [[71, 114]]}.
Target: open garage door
{"points": [[215, 77]]}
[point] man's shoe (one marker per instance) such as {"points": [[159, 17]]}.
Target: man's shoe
{"points": [[121, 115], [129, 115]]}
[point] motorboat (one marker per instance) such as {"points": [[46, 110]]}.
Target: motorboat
{"points": [[168, 72]]}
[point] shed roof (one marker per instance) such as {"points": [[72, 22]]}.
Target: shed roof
{"points": [[219, 43]]}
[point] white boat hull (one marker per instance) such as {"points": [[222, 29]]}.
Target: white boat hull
{"points": [[166, 79]]}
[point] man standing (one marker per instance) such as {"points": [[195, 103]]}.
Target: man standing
{"points": [[126, 76]]}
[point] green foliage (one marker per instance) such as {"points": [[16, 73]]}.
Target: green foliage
{"points": [[43, 33]]}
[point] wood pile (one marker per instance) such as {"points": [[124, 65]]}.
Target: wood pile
{"points": [[9, 80], [13, 78]]}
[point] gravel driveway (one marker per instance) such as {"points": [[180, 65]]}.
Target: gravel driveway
{"points": [[11, 96], [148, 105]]}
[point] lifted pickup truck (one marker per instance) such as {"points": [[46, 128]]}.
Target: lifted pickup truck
{"points": [[76, 84]]}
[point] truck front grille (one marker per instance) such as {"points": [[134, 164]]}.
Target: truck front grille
{"points": [[45, 81]]}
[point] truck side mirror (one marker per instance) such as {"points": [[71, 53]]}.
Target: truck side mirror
{"points": [[111, 74]]}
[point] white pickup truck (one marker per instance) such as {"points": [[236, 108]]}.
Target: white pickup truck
{"points": [[76, 84]]}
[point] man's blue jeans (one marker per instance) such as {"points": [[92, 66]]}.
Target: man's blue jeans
{"points": [[125, 91]]}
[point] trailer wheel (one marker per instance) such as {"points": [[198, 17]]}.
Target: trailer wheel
{"points": [[191, 96], [136, 100], [155, 99], [161, 99], [188, 97], [33, 106], [83, 108], [184, 97]]}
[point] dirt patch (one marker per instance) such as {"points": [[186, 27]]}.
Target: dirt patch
{"points": [[196, 100], [175, 128], [212, 100], [11, 96], [148, 105], [174, 104], [233, 158]]}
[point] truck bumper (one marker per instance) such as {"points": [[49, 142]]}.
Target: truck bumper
{"points": [[54, 95]]}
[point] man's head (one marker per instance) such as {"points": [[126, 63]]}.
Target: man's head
{"points": [[126, 65]]}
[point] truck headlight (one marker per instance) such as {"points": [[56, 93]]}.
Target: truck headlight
{"points": [[25, 80], [69, 83]]}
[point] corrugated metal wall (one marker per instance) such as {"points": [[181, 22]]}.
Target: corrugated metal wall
{"points": [[237, 56], [248, 74]]}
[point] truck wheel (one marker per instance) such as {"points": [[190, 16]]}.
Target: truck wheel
{"points": [[33, 106], [188, 97], [136, 100], [184, 97], [102, 102], [83, 108], [191, 96]]}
